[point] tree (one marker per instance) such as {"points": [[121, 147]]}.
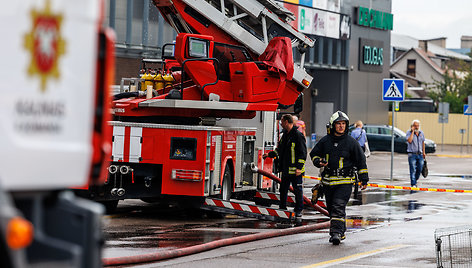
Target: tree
{"points": [[454, 88]]}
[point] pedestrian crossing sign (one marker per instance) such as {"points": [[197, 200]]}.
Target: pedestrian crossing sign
{"points": [[393, 90]]}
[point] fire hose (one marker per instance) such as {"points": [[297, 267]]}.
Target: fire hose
{"points": [[163, 255], [269, 175]]}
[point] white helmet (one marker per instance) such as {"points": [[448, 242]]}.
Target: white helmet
{"points": [[336, 117]]}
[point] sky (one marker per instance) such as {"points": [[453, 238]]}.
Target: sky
{"points": [[425, 19]]}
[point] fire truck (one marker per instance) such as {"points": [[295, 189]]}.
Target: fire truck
{"points": [[196, 134], [57, 66]]}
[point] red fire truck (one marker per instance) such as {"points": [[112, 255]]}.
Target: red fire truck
{"points": [[57, 66], [232, 69]]}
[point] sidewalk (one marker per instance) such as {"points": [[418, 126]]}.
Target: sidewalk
{"points": [[453, 151]]}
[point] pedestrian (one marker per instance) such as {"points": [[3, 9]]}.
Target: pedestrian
{"points": [[339, 155], [359, 134], [291, 155], [416, 153], [300, 124]]}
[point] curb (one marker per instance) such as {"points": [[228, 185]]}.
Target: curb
{"points": [[453, 155]]}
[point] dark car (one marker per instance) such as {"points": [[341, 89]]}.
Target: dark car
{"points": [[380, 138]]}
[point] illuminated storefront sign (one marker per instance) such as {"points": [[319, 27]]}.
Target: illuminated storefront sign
{"points": [[371, 55], [374, 19]]}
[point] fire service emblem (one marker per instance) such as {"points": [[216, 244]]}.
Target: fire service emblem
{"points": [[45, 44]]}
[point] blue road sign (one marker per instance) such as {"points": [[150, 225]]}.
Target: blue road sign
{"points": [[393, 90], [467, 110], [313, 137]]}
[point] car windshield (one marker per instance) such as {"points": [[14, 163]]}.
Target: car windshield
{"points": [[384, 130]]}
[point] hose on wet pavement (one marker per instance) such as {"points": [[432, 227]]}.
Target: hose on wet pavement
{"points": [[321, 210], [174, 253]]}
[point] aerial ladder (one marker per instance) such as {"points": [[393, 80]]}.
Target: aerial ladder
{"points": [[240, 22]]}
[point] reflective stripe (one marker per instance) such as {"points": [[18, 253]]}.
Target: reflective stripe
{"points": [[338, 219], [327, 158], [315, 157], [302, 161], [362, 171], [292, 170], [334, 178], [330, 181], [337, 183], [293, 152], [341, 162], [276, 154]]}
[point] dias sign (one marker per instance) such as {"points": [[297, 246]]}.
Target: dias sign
{"points": [[371, 55]]}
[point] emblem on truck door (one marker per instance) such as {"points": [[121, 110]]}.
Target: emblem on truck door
{"points": [[45, 44]]}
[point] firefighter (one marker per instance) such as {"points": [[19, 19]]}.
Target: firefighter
{"points": [[340, 155], [291, 155]]}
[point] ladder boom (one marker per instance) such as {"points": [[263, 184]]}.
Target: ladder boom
{"points": [[249, 23]]}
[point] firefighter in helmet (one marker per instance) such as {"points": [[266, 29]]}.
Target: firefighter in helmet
{"points": [[340, 156], [291, 154]]}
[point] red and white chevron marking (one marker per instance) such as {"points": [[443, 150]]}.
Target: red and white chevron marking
{"points": [[290, 199], [249, 208], [273, 196]]}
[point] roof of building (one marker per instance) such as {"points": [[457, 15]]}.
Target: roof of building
{"points": [[425, 56], [464, 51], [405, 42]]}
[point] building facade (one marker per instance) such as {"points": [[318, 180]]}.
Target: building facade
{"points": [[348, 69]]}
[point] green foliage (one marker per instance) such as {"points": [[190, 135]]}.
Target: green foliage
{"points": [[453, 89]]}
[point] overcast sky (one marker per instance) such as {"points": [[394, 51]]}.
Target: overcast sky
{"points": [[424, 19]]}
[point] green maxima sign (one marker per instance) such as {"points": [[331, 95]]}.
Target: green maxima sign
{"points": [[374, 19]]}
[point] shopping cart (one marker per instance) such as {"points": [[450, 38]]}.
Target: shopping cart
{"points": [[454, 246]]}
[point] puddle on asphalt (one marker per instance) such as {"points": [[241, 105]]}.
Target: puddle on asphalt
{"points": [[356, 222], [185, 235], [378, 196], [169, 240]]}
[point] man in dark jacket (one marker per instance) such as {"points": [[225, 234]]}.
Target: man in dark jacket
{"points": [[340, 155], [291, 155]]}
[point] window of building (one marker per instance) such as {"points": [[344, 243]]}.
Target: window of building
{"points": [[411, 68]]}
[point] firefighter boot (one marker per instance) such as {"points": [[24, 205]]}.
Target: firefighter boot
{"points": [[335, 239]]}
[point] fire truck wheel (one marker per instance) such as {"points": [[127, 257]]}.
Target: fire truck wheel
{"points": [[110, 206], [227, 187]]}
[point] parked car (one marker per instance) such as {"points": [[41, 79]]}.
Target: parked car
{"points": [[380, 137]]}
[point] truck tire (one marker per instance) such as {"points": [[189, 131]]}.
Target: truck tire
{"points": [[227, 184]]}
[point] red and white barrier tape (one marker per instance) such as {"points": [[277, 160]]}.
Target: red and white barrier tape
{"points": [[406, 187]]}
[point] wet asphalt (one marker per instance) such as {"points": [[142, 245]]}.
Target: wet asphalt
{"points": [[386, 228]]}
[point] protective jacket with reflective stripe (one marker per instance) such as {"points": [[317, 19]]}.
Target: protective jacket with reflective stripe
{"points": [[341, 153], [291, 152]]}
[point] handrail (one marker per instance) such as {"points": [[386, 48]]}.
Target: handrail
{"points": [[207, 84]]}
